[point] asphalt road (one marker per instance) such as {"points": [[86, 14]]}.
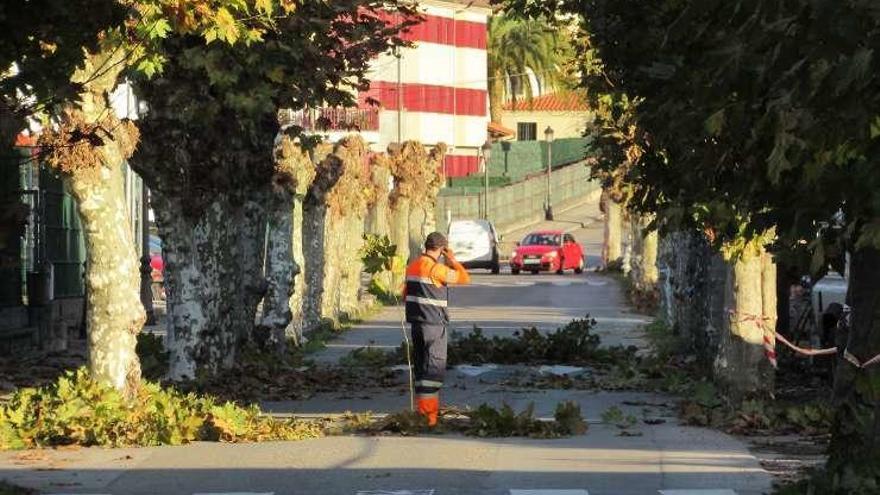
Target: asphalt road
{"points": [[660, 458]]}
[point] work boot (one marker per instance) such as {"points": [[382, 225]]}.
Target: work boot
{"points": [[429, 407]]}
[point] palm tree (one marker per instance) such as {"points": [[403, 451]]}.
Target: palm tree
{"points": [[517, 47]]}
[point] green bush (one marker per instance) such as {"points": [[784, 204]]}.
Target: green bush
{"points": [[7, 489], [368, 357], [152, 355], [572, 344], [381, 261], [76, 410], [487, 421]]}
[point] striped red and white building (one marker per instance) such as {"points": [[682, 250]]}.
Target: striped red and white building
{"points": [[436, 91]]}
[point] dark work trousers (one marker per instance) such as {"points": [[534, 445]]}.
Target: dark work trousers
{"points": [[429, 357]]}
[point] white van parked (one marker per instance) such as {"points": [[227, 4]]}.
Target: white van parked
{"points": [[475, 244]]}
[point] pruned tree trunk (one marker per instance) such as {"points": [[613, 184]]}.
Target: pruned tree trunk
{"points": [[280, 272], [297, 298], [612, 248], [650, 274], [691, 282], [314, 216], [317, 268], [90, 146], [741, 365], [377, 219], [292, 164], [644, 273], [298, 164], [854, 454], [399, 234], [421, 223], [213, 279], [348, 233]]}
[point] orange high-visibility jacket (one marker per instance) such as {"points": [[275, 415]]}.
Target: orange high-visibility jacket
{"points": [[425, 291]]}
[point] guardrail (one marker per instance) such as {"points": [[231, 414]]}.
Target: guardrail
{"points": [[520, 203]]}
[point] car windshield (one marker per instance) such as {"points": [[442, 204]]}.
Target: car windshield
{"points": [[464, 230], [155, 245], [541, 240]]}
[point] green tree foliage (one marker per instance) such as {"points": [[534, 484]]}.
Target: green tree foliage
{"points": [[217, 105], [39, 50], [754, 115], [212, 98], [517, 46]]}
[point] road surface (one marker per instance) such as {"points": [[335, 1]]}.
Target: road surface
{"points": [[665, 458]]}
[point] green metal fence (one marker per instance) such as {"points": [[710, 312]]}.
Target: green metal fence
{"points": [[64, 244], [11, 275], [514, 161], [519, 159], [519, 203]]}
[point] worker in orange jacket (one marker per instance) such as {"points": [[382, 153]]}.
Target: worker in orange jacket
{"points": [[426, 296]]}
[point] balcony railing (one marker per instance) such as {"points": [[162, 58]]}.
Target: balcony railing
{"points": [[333, 119]]}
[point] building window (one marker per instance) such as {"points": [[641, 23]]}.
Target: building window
{"points": [[526, 131]]}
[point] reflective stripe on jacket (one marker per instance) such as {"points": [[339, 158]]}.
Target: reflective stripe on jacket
{"points": [[425, 289]]}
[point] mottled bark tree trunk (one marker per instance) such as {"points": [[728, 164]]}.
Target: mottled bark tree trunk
{"points": [[93, 169], [348, 232], [400, 237], [115, 314], [281, 269], [741, 366], [292, 165], [300, 166], [421, 223], [644, 272], [854, 454], [318, 289], [377, 219], [297, 298], [213, 279], [612, 248], [314, 217], [691, 281]]}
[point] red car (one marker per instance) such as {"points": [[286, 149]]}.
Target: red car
{"points": [[548, 250]]}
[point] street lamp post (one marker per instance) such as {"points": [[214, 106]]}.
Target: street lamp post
{"points": [[505, 146], [548, 207], [486, 150]]}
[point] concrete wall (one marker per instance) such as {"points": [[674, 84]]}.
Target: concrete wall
{"points": [[565, 124], [521, 203]]}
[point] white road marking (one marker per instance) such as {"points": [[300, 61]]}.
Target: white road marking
{"points": [[396, 492], [504, 284], [698, 492], [611, 319], [549, 492], [598, 283], [560, 370], [470, 370]]}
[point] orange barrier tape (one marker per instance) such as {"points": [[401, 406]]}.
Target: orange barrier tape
{"points": [[806, 352], [770, 344]]}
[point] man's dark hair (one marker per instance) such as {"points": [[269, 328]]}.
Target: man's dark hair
{"points": [[435, 240]]}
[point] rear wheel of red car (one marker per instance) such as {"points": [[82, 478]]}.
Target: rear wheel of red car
{"points": [[580, 267], [514, 271]]}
